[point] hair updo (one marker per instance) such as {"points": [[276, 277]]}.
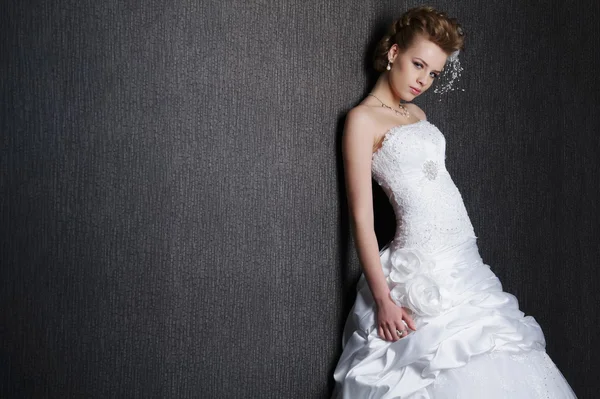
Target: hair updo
{"points": [[434, 25]]}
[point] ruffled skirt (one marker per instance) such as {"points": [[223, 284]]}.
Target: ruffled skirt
{"points": [[472, 341]]}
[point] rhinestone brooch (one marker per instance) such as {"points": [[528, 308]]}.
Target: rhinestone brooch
{"points": [[430, 168]]}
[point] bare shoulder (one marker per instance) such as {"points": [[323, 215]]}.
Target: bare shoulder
{"points": [[358, 118], [358, 134], [416, 110]]}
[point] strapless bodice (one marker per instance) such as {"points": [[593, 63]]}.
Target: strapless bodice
{"points": [[410, 168]]}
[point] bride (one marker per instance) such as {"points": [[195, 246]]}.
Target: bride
{"points": [[430, 318]]}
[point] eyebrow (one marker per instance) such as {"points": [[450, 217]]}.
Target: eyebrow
{"points": [[422, 60]]}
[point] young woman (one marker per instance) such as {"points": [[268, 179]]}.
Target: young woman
{"points": [[430, 319]]}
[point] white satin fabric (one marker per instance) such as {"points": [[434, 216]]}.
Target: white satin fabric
{"points": [[472, 341]]}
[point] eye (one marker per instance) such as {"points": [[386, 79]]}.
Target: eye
{"points": [[432, 74]]}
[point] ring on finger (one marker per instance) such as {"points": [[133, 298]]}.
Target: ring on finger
{"points": [[400, 333]]}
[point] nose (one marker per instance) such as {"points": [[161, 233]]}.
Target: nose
{"points": [[422, 80]]}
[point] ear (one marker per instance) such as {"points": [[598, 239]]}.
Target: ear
{"points": [[393, 52]]}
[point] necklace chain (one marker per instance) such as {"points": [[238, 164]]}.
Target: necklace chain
{"points": [[403, 112]]}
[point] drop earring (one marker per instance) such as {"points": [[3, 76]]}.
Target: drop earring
{"points": [[389, 66]]}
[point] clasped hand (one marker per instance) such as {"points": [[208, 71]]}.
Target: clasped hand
{"points": [[392, 318]]}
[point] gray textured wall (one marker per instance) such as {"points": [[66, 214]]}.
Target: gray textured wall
{"points": [[173, 212]]}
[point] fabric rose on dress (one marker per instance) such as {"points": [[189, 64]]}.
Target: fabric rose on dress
{"points": [[423, 294], [407, 263], [413, 284]]}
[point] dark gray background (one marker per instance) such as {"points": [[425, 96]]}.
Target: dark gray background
{"points": [[173, 210]]}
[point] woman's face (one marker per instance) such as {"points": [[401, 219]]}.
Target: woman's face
{"points": [[414, 70]]}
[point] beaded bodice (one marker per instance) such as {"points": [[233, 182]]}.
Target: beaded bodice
{"points": [[410, 168]]}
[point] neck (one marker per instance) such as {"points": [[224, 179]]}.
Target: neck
{"points": [[383, 91]]}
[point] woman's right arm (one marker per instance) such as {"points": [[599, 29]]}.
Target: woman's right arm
{"points": [[357, 150]]}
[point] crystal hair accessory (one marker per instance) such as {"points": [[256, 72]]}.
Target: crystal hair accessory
{"points": [[452, 71], [453, 56]]}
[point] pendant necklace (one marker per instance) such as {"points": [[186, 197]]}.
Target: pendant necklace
{"points": [[403, 112]]}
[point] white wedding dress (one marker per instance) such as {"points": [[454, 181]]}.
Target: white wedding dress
{"points": [[472, 341]]}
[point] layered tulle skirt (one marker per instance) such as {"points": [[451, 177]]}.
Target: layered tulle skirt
{"points": [[472, 341]]}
